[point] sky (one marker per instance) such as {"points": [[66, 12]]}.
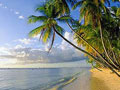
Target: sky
{"points": [[17, 50]]}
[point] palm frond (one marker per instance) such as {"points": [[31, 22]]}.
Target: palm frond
{"points": [[60, 29], [34, 19], [77, 4], [118, 12], [61, 7], [53, 38], [40, 8], [36, 31], [116, 0], [47, 35], [41, 34], [64, 18]]}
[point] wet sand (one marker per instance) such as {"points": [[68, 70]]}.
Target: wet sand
{"points": [[82, 83], [76, 82], [96, 80]]}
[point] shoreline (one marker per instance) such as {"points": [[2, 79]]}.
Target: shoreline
{"points": [[95, 80], [76, 82], [82, 82]]}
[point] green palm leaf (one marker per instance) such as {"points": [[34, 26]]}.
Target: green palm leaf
{"points": [[53, 38], [77, 4], [34, 19], [36, 31], [118, 12], [64, 18], [60, 29], [47, 35]]}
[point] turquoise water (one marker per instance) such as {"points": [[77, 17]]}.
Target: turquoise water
{"points": [[36, 79]]}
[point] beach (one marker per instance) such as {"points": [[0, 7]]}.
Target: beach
{"points": [[105, 80], [96, 80]]}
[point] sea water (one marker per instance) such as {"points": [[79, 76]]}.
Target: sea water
{"points": [[35, 79]]}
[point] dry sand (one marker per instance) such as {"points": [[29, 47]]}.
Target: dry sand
{"points": [[97, 80], [105, 80]]}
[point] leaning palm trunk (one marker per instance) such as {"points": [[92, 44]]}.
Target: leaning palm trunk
{"points": [[97, 59], [106, 53], [114, 56], [87, 43], [73, 44], [92, 48]]}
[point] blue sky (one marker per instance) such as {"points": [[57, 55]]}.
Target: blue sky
{"points": [[17, 50], [11, 27]]}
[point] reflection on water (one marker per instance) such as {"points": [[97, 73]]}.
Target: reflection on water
{"points": [[27, 79]]}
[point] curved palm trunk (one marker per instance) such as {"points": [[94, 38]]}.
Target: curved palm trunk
{"points": [[106, 64], [114, 56], [101, 35], [86, 42], [89, 45], [73, 44]]}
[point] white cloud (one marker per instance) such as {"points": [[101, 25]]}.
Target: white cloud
{"points": [[18, 47], [37, 37], [26, 41], [16, 12], [46, 47], [4, 51], [5, 7], [21, 17], [31, 55], [62, 52], [21, 54], [12, 10], [64, 44]]}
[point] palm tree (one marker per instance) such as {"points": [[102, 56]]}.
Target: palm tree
{"points": [[50, 27], [46, 29], [60, 5], [111, 26], [91, 12], [62, 9]]}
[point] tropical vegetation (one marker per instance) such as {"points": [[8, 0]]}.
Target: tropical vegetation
{"points": [[97, 29]]}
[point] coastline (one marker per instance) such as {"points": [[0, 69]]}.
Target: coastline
{"points": [[76, 82], [95, 80]]}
